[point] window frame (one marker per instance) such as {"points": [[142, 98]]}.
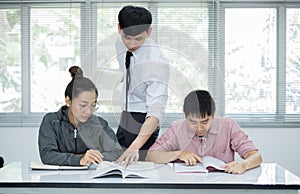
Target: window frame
{"points": [[280, 119], [217, 47]]}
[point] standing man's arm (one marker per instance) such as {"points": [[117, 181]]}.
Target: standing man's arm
{"points": [[146, 131], [132, 152], [156, 102]]}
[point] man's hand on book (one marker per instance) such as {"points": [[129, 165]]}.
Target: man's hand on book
{"points": [[234, 167], [128, 157], [91, 157], [189, 158]]}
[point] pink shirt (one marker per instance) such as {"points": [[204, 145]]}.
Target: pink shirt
{"points": [[224, 138]]}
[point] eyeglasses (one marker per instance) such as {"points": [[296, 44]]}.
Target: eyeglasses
{"points": [[86, 107]]}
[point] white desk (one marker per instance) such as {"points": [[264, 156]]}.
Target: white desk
{"points": [[268, 178]]}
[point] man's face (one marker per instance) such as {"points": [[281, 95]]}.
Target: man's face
{"points": [[134, 42], [198, 124]]}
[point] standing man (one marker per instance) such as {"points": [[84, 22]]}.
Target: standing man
{"points": [[145, 85]]}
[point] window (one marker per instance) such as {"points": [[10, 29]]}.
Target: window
{"points": [[292, 61], [245, 54], [184, 40], [250, 60], [10, 60], [55, 46]]}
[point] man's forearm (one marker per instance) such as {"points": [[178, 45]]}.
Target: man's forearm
{"points": [[146, 131], [252, 159], [162, 157]]}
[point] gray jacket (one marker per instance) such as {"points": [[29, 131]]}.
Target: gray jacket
{"points": [[60, 145]]}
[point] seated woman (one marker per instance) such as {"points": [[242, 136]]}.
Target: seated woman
{"points": [[74, 135]]}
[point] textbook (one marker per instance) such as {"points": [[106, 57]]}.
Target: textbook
{"points": [[40, 166], [137, 169], [209, 164]]}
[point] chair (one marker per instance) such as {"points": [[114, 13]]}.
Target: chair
{"points": [[1, 162]]}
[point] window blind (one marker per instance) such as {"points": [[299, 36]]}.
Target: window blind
{"points": [[249, 65]]}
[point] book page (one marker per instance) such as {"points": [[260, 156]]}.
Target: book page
{"points": [[142, 170], [209, 161], [183, 168], [134, 170], [106, 168], [40, 166]]}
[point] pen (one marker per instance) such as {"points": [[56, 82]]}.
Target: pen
{"points": [[75, 138]]}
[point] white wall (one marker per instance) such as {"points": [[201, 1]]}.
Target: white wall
{"points": [[276, 145]]}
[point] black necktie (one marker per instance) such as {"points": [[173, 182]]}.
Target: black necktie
{"points": [[127, 65]]}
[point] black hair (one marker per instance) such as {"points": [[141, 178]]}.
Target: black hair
{"points": [[199, 103], [134, 20], [78, 84]]}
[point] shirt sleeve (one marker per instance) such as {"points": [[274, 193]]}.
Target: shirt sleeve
{"points": [[97, 135], [156, 100], [156, 75], [241, 142], [110, 148]]}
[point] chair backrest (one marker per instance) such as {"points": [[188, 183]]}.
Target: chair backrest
{"points": [[1, 162]]}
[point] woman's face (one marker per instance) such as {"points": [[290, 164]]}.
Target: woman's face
{"points": [[83, 106]]}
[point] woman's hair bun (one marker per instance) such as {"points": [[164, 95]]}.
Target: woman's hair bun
{"points": [[75, 71]]}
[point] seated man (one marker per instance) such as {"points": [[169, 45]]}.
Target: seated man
{"points": [[201, 134]]}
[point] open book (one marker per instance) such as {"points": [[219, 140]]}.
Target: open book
{"points": [[209, 164], [134, 170], [40, 166]]}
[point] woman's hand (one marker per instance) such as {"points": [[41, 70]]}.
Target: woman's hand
{"points": [[91, 157]]}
